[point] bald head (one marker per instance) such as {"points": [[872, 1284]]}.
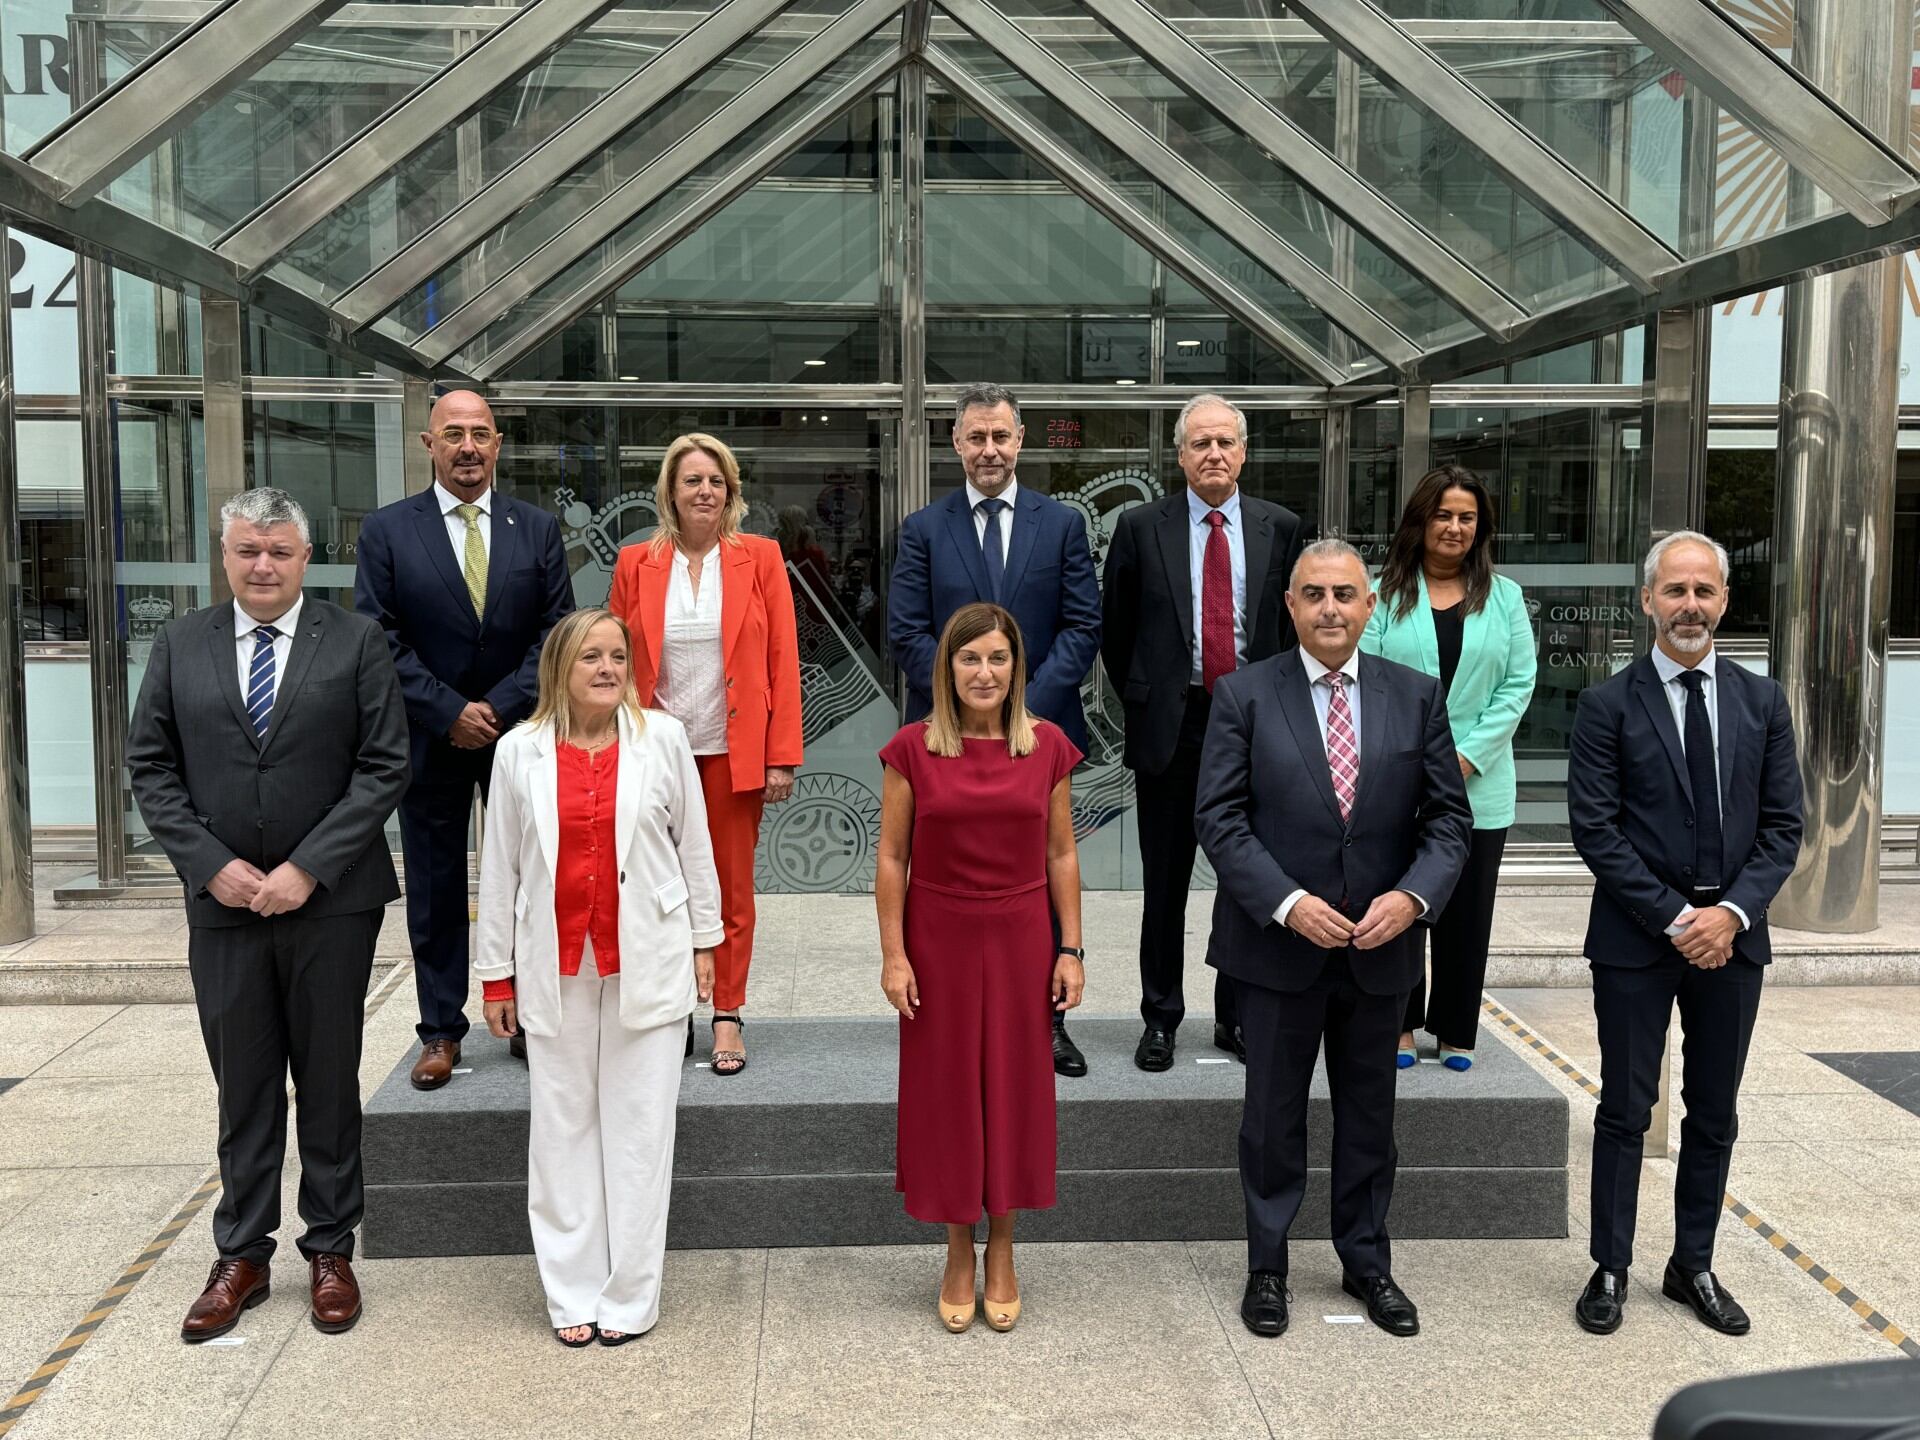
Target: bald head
{"points": [[464, 442]]}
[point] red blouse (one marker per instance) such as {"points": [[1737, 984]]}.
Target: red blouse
{"points": [[586, 894]]}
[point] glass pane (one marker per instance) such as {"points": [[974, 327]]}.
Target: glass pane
{"points": [[808, 238], [1570, 488], [1249, 176], [53, 571], [1209, 349], [747, 350], [39, 69], [676, 118], [329, 458]]}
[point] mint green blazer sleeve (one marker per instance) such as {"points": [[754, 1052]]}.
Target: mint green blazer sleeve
{"points": [[1491, 687]]}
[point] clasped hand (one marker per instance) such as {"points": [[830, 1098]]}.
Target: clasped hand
{"points": [[1706, 936], [1313, 919], [242, 886]]}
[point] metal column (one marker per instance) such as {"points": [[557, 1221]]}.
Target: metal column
{"points": [[16, 816], [1416, 442], [1833, 518], [223, 371], [1336, 470], [1674, 420], [915, 478], [416, 413]]}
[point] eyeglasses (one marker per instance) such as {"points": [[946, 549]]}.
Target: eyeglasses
{"points": [[454, 435]]}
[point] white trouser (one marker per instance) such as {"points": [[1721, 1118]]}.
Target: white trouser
{"points": [[600, 1156]]}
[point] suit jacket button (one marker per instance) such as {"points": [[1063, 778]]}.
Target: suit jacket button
{"points": [[1348, 841], [260, 824], [623, 877], [1686, 869], [1687, 823], [263, 767]]}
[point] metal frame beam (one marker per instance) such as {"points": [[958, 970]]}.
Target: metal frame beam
{"points": [[502, 56], [1776, 102], [1290, 147], [575, 144], [1227, 215], [1364, 31], [621, 204], [168, 90], [674, 228], [916, 24], [1133, 220]]}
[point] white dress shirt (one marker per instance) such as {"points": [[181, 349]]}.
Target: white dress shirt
{"points": [[457, 527], [243, 642], [1197, 532], [692, 686], [1322, 699], [1670, 670], [1011, 495]]}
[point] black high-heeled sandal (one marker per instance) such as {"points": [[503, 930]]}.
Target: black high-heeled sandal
{"points": [[575, 1344], [689, 1035], [738, 1056], [612, 1341]]}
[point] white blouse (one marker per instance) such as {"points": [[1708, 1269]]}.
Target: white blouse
{"points": [[692, 686]]}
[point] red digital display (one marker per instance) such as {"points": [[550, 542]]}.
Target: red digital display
{"points": [[1063, 434]]}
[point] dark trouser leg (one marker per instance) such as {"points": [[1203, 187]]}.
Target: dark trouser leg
{"points": [[1283, 1040], [1632, 1007], [1164, 816], [1459, 946], [324, 965], [1363, 1032], [1717, 1010], [237, 993], [433, 835]]}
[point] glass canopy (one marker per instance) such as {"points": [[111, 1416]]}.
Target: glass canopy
{"points": [[1376, 191]]}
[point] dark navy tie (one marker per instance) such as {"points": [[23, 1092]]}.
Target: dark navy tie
{"points": [[260, 680], [992, 551], [1703, 777]]}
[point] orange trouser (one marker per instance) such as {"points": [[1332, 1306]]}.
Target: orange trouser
{"points": [[733, 821]]}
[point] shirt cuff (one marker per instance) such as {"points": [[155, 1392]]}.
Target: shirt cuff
{"points": [[497, 989], [1286, 906], [1425, 909], [1738, 914], [1680, 920]]}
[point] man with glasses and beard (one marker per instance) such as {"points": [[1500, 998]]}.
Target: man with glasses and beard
{"points": [[1683, 794], [466, 582]]}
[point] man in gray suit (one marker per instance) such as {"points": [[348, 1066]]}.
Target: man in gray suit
{"points": [[267, 749]]}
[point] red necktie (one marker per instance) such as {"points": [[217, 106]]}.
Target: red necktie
{"points": [[1216, 604], [1343, 756]]}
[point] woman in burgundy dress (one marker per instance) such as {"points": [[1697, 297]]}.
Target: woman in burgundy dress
{"points": [[976, 859]]}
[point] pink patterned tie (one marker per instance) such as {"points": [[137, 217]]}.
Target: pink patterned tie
{"points": [[1216, 604], [1343, 756]]}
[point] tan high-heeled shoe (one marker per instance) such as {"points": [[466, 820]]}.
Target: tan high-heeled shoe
{"points": [[1002, 1315], [957, 1318]]}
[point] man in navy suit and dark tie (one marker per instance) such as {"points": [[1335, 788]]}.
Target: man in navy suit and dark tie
{"points": [[1332, 807], [994, 539], [466, 582], [1683, 793]]}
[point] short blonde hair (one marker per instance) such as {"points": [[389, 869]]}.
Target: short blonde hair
{"points": [[730, 518], [967, 625], [563, 646]]}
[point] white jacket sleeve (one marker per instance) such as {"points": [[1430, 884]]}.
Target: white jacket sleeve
{"points": [[687, 812], [499, 869]]}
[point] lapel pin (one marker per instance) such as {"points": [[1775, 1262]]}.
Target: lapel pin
{"points": [[509, 519]]}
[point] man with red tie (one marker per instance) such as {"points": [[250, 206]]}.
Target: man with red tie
{"points": [[1195, 588]]}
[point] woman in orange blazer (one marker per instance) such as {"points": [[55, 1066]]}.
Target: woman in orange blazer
{"points": [[711, 612]]}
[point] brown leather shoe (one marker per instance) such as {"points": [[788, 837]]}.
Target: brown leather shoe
{"points": [[336, 1294], [234, 1286], [435, 1065]]}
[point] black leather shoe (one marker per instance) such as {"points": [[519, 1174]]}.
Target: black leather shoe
{"points": [[1067, 1059], [1387, 1305], [1231, 1041], [1600, 1305], [1155, 1050], [1264, 1306], [1703, 1295]]}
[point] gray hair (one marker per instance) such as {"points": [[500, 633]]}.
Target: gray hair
{"points": [[1180, 424], [986, 397], [266, 507], [1684, 537], [1326, 549]]}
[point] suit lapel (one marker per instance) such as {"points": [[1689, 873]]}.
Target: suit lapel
{"points": [[960, 532], [1373, 726], [543, 784], [1424, 632], [506, 539], [650, 582], [1258, 543], [1172, 532], [1026, 527], [226, 667], [1296, 703], [432, 528], [627, 786], [1653, 695], [736, 586], [299, 659], [1733, 723]]}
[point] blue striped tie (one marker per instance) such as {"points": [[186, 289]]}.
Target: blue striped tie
{"points": [[260, 680]]}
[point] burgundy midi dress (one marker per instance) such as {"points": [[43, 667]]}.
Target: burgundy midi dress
{"points": [[976, 1116]]}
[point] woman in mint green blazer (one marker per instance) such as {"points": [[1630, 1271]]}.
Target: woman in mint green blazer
{"points": [[1444, 611]]}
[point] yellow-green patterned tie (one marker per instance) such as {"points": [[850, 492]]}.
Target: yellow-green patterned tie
{"points": [[476, 567]]}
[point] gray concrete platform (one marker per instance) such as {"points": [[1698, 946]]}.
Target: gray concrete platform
{"points": [[799, 1150]]}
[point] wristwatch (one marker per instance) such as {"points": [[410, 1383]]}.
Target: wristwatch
{"points": [[1080, 955]]}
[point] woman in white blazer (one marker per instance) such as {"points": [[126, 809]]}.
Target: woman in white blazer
{"points": [[599, 910]]}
